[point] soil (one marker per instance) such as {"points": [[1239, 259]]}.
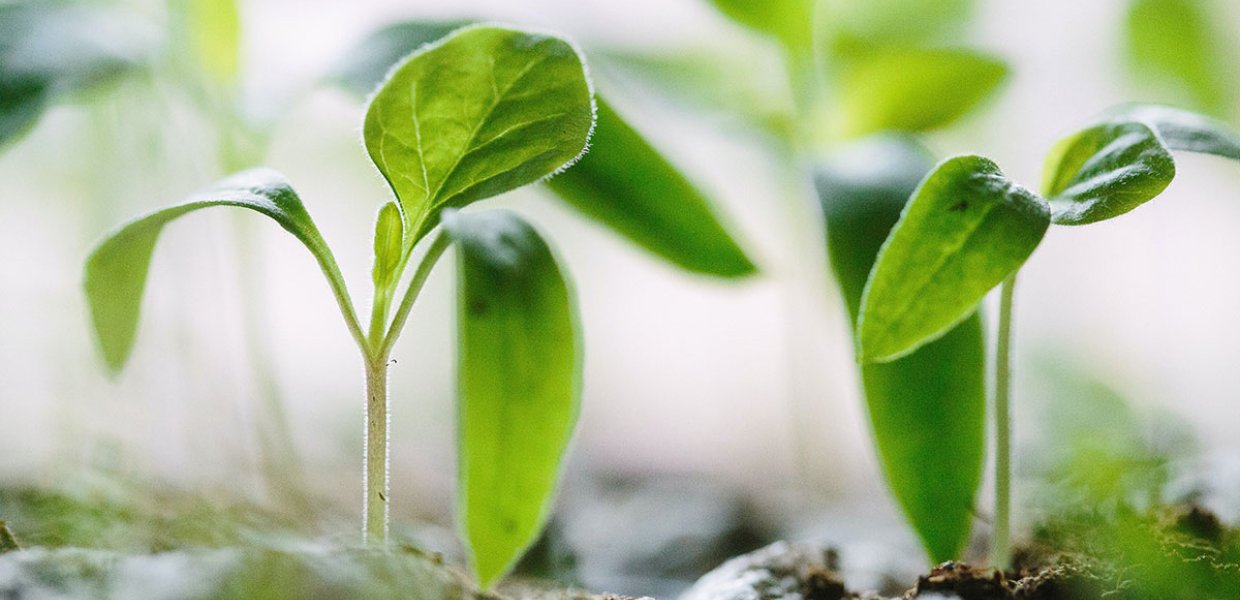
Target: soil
{"points": [[1171, 553]]}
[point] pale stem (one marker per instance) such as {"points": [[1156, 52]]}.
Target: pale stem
{"points": [[376, 483], [1001, 546]]}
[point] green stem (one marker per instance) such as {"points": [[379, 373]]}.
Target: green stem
{"points": [[1001, 548], [376, 482], [433, 253]]}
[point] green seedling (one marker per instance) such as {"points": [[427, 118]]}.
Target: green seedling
{"points": [[872, 67], [481, 112], [969, 228]]}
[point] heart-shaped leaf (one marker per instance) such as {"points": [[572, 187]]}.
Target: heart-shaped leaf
{"points": [[965, 230], [927, 410], [520, 382], [1105, 171], [116, 269], [1184, 130], [626, 184], [912, 89], [481, 112]]}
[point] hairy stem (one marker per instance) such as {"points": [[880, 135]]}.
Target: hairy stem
{"points": [[375, 480], [1000, 544], [433, 253]]}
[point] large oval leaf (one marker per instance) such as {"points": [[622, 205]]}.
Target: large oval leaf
{"points": [[626, 184], [965, 230], [116, 269], [1184, 130], [520, 382], [912, 89], [1105, 171], [483, 111], [926, 410]]}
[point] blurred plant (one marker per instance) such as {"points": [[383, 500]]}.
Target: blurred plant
{"points": [[481, 112], [1183, 47], [968, 228], [55, 50]]}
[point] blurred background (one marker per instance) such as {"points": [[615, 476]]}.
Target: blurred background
{"points": [[245, 384]]}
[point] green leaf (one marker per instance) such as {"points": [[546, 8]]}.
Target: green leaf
{"points": [[912, 89], [116, 269], [965, 230], [1105, 171], [1184, 130], [49, 50], [483, 111], [7, 542], [520, 383], [894, 23], [926, 410], [366, 65], [1181, 43], [389, 246], [789, 21], [659, 210], [214, 29]]}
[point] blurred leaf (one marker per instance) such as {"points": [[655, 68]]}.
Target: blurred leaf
{"points": [[965, 230], [520, 384], [926, 410], [116, 269], [51, 49], [1105, 171], [389, 245], [7, 543], [789, 21], [368, 63], [214, 27], [888, 23], [743, 84], [483, 112], [1181, 43], [912, 89], [1184, 130], [626, 184]]}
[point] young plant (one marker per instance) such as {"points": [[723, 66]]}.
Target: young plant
{"points": [[481, 112], [968, 228]]}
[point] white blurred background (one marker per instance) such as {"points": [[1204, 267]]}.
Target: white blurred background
{"points": [[751, 382]]}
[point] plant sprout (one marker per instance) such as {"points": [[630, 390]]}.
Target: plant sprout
{"points": [[968, 228], [483, 111]]}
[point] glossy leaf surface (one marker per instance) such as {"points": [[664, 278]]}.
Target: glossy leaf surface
{"points": [[1185, 130], [116, 270], [626, 184], [926, 410], [1105, 171], [965, 230], [912, 89], [519, 384], [479, 113]]}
